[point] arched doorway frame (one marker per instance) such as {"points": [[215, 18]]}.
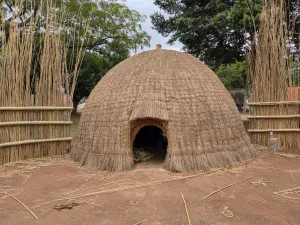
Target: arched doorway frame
{"points": [[137, 125]]}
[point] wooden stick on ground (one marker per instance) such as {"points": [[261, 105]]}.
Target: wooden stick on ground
{"points": [[81, 175], [226, 187], [283, 169], [143, 185], [281, 193], [23, 205], [140, 222], [2, 185], [287, 156], [5, 195], [127, 188], [101, 185], [287, 196], [292, 176], [187, 212]]}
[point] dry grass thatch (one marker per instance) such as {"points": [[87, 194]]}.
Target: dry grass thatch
{"points": [[273, 77], [37, 81], [174, 92]]}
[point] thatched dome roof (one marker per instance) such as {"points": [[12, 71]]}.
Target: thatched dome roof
{"points": [[173, 91]]}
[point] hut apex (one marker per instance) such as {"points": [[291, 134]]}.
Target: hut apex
{"points": [[167, 103], [158, 46]]}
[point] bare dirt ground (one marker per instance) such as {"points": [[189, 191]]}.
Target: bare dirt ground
{"points": [[149, 195]]}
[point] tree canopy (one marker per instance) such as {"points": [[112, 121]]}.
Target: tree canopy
{"points": [[233, 76], [94, 66], [108, 20], [215, 31], [108, 28]]}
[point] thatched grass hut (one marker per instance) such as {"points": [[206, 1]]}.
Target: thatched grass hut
{"points": [[171, 91]]}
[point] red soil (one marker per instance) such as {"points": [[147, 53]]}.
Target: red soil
{"points": [[158, 204]]}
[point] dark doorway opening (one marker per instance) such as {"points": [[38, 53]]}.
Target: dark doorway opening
{"points": [[151, 140]]}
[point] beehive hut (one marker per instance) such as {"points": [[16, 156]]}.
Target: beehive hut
{"points": [[169, 90]]}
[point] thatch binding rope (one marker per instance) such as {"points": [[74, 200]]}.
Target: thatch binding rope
{"points": [[273, 130], [274, 117], [26, 142], [282, 118], [24, 123], [36, 108], [275, 103]]}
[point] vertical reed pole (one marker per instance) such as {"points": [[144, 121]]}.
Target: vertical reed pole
{"points": [[35, 72]]}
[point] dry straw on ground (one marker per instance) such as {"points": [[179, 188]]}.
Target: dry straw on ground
{"points": [[37, 81], [68, 195], [226, 212], [23, 169], [227, 186], [186, 209], [170, 90], [289, 193], [273, 76]]}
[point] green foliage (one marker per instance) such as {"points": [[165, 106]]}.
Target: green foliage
{"points": [[94, 66], [108, 20], [212, 30], [112, 31], [233, 76], [216, 31]]}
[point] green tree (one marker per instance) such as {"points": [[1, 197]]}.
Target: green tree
{"points": [[108, 28], [233, 76], [215, 31], [94, 66], [212, 30], [108, 20], [114, 31]]}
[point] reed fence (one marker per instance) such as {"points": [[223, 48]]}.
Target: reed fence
{"points": [[282, 118], [33, 132], [38, 71], [272, 107]]}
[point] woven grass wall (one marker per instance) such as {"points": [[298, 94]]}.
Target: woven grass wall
{"points": [[37, 83], [283, 118], [173, 91], [272, 76]]}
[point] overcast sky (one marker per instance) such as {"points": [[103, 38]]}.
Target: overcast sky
{"points": [[146, 7]]}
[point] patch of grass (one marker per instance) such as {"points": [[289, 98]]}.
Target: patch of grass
{"points": [[75, 119]]}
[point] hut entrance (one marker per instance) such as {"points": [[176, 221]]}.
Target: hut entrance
{"points": [[150, 143]]}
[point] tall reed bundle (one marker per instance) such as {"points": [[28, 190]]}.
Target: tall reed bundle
{"points": [[273, 54], [38, 72]]}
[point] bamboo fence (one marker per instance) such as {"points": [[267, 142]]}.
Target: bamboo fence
{"points": [[272, 107], [38, 73]]}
